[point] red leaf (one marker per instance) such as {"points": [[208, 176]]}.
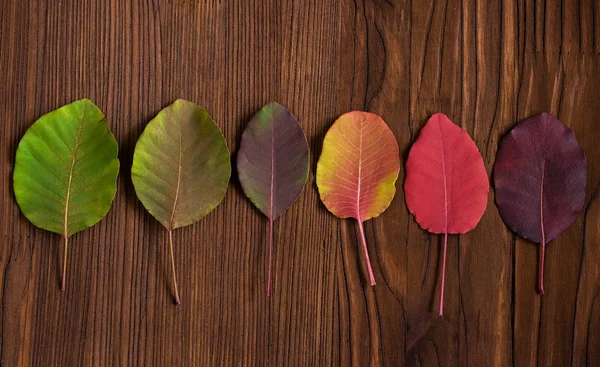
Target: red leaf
{"points": [[446, 183], [540, 177]]}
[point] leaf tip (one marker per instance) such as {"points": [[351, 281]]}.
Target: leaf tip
{"points": [[274, 104], [439, 114], [440, 118], [86, 100]]}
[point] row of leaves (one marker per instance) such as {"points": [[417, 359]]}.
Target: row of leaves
{"points": [[67, 165]]}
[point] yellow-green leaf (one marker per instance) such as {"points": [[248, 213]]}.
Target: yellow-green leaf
{"points": [[181, 167]]}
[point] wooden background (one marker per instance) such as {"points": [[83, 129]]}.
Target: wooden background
{"points": [[486, 64]]}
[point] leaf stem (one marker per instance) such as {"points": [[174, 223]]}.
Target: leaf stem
{"points": [[364, 243], [64, 274], [270, 256], [443, 274], [541, 276], [173, 267]]}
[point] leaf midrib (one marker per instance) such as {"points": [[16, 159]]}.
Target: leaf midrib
{"points": [[73, 161], [178, 180], [542, 185], [444, 175], [358, 186], [272, 170]]}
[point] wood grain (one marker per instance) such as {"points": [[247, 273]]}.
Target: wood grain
{"points": [[486, 64]]}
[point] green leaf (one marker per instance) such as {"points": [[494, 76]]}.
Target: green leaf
{"points": [[181, 167], [66, 170]]}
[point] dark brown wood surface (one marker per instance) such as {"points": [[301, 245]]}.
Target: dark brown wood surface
{"points": [[486, 64]]}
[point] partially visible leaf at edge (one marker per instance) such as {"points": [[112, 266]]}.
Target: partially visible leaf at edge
{"points": [[358, 169], [181, 168], [446, 185], [540, 176], [66, 168], [273, 164]]}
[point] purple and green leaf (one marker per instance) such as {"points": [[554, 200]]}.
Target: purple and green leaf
{"points": [[273, 164]]}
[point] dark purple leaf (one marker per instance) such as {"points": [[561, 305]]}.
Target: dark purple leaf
{"points": [[540, 177]]}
